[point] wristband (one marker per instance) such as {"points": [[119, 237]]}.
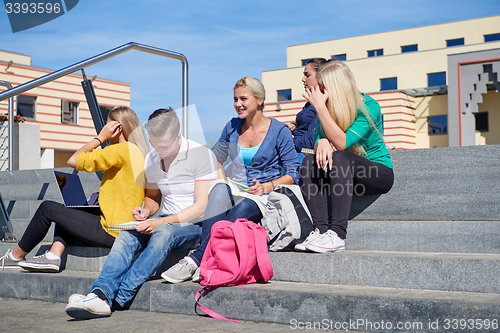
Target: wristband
{"points": [[98, 140], [272, 183]]}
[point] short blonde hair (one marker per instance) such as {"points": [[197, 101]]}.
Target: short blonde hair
{"points": [[255, 87]]}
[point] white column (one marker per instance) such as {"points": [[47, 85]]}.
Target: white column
{"points": [[47, 159]]}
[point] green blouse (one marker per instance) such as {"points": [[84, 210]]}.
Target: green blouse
{"points": [[361, 132]]}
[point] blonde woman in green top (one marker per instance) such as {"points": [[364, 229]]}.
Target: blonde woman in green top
{"points": [[351, 157]]}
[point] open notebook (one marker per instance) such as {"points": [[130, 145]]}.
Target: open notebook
{"points": [[132, 225]]}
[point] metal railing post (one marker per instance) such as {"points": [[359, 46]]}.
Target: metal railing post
{"points": [[11, 120]]}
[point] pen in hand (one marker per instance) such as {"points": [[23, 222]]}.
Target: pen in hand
{"points": [[142, 208]]}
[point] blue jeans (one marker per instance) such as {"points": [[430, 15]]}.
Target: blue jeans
{"points": [[221, 207], [120, 281]]}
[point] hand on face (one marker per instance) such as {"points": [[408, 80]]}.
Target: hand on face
{"points": [[316, 96]]}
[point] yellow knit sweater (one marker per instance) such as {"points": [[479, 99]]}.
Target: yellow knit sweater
{"points": [[123, 183]]}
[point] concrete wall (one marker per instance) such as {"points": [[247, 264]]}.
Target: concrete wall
{"points": [[430, 106], [427, 37], [26, 146], [410, 68], [466, 90]]}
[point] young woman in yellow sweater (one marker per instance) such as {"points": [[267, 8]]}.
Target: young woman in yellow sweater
{"points": [[122, 189]]}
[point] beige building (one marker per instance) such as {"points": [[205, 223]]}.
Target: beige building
{"points": [[426, 98], [59, 108]]}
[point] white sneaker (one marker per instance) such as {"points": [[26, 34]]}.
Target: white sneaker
{"points": [[90, 307], [327, 242], [181, 271], [312, 237], [196, 276], [76, 298]]}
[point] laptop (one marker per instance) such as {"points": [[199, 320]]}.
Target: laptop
{"points": [[72, 193]]}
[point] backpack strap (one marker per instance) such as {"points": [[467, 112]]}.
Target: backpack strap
{"points": [[202, 292], [263, 260], [242, 245]]}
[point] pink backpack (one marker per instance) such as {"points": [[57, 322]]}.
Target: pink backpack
{"points": [[235, 255]]}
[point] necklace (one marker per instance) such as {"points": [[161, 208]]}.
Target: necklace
{"points": [[251, 140], [256, 135]]}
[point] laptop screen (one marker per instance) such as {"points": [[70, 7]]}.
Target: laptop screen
{"points": [[71, 189]]}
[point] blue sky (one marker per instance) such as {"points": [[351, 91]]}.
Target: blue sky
{"points": [[222, 40]]}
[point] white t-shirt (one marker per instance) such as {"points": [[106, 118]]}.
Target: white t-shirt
{"points": [[193, 162]]}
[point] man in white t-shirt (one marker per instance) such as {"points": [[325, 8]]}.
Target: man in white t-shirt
{"points": [[178, 173]]}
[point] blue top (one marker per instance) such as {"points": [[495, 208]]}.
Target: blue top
{"points": [[246, 155], [275, 157], [304, 134]]}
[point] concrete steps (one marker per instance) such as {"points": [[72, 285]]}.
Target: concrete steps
{"points": [[406, 236], [387, 269], [427, 251], [354, 307]]}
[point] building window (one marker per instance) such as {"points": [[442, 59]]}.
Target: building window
{"points": [[454, 42], [376, 53], [390, 83], [482, 121], [409, 48], [436, 79], [340, 57], [491, 38], [26, 106], [438, 124], [284, 95], [305, 61], [105, 111], [69, 112]]}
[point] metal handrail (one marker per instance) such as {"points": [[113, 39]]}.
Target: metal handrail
{"points": [[11, 119], [106, 55]]}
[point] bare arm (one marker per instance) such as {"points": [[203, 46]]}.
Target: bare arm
{"points": [[188, 214]]}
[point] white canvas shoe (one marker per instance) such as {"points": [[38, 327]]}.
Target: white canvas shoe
{"points": [[90, 307], [327, 242], [312, 237]]}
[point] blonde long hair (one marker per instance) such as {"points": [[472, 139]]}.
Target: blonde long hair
{"points": [[344, 97], [131, 126]]}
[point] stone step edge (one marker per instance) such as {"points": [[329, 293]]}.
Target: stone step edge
{"points": [[85, 250], [279, 302], [296, 287]]}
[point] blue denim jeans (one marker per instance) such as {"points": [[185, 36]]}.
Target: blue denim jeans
{"points": [[221, 206], [119, 281]]}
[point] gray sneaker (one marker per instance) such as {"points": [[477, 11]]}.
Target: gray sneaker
{"points": [[7, 263], [181, 271], [41, 264]]}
